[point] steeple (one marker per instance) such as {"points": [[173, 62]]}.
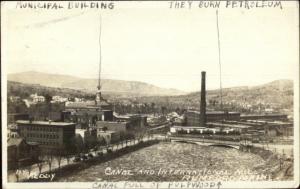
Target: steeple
{"points": [[98, 94]]}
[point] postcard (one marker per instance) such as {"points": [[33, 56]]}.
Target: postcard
{"points": [[150, 94]]}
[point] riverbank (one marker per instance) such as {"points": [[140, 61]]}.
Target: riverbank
{"points": [[279, 165]]}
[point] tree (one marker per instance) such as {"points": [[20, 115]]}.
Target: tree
{"points": [[153, 107], [40, 163], [48, 98], [91, 141], [59, 157], [101, 142], [49, 159], [77, 144], [67, 154], [163, 110]]}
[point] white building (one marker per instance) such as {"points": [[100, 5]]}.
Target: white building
{"points": [[35, 98], [59, 99]]}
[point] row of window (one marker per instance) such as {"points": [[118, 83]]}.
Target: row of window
{"points": [[40, 135], [49, 129], [50, 143]]}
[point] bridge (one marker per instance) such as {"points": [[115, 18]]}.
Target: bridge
{"points": [[207, 142]]}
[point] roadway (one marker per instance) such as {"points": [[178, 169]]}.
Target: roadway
{"points": [[23, 173]]}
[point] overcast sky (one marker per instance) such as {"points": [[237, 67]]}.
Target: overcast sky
{"points": [[151, 43]]}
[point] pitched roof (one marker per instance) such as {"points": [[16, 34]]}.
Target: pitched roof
{"points": [[85, 104], [14, 141], [46, 123]]}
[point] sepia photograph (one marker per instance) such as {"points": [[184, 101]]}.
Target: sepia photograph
{"points": [[150, 94]]}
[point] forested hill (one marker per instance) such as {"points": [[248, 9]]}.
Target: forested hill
{"points": [[278, 94], [130, 88], [25, 90]]}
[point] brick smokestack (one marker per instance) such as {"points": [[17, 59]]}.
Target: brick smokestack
{"points": [[203, 101]]}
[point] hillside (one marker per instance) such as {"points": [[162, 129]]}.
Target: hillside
{"points": [[24, 90], [276, 95], [125, 88]]}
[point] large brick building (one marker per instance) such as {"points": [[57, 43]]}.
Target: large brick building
{"points": [[86, 114], [135, 121], [192, 118], [51, 135]]}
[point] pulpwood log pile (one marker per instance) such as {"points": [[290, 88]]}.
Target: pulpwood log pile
{"points": [[172, 156]]}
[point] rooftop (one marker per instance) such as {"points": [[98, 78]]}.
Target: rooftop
{"points": [[44, 123], [212, 112], [14, 141], [12, 114], [262, 115], [85, 104], [188, 127], [108, 131], [228, 125], [117, 123], [128, 116]]}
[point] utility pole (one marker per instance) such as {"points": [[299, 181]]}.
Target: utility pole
{"points": [[219, 50]]}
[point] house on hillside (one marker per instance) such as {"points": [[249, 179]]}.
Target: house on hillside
{"points": [[36, 98]]}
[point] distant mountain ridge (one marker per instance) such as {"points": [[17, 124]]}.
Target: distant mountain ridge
{"points": [[279, 85], [276, 93], [108, 85]]}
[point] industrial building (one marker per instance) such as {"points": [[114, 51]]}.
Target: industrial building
{"points": [[196, 118], [86, 117], [265, 117], [133, 120], [13, 117], [21, 153], [48, 134], [270, 125], [113, 125], [192, 118], [109, 136]]}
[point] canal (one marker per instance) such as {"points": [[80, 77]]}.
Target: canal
{"points": [[174, 161]]}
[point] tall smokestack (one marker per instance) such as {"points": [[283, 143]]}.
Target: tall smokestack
{"points": [[203, 101]]}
